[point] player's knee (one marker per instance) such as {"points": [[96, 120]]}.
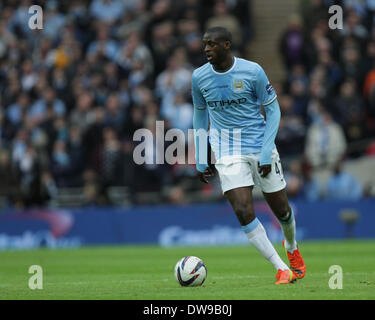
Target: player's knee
{"points": [[242, 208], [244, 212], [283, 212]]}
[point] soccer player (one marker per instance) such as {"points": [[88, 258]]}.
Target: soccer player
{"points": [[228, 93]]}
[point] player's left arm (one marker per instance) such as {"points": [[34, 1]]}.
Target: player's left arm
{"points": [[273, 116], [268, 99]]}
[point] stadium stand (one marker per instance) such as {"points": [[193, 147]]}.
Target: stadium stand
{"points": [[73, 94]]}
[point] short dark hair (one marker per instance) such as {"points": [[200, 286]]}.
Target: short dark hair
{"points": [[221, 32]]}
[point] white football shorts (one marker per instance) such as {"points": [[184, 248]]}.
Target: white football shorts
{"points": [[242, 171]]}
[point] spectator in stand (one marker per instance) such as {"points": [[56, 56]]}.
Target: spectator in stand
{"points": [[298, 90], [9, 179], [48, 189], [60, 129], [176, 78], [317, 89], [114, 113], [188, 25], [292, 130], [369, 59], [313, 11], [76, 151], [194, 50], [134, 20], [110, 156], [136, 59], [18, 17], [103, 45], [61, 85], [222, 17], [325, 139], [29, 76], [7, 39], [19, 146], [351, 63], [292, 43], [349, 111], [129, 167], [92, 137], [29, 172], [94, 193], [82, 115], [108, 11], [369, 88], [176, 195], [162, 43], [343, 185], [353, 25], [311, 189], [301, 185], [49, 100], [16, 111], [134, 121], [61, 164], [297, 73], [179, 113], [333, 73], [293, 178], [54, 21]]}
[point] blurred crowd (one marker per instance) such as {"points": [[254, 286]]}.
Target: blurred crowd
{"points": [[73, 93], [328, 98]]}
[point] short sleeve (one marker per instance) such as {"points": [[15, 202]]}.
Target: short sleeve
{"points": [[264, 90], [198, 100]]}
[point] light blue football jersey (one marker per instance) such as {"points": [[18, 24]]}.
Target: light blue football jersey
{"points": [[233, 99]]}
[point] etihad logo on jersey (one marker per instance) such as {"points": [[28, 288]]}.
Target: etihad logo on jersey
{"points": [[226, 103]]}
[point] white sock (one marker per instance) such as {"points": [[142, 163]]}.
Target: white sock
{"points": [[257, 236], [289, 230]]}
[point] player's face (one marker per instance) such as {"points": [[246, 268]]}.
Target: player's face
{"points": [[214, 49]]}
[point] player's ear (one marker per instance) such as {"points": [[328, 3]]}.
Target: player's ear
{"points": [[227, 45]]}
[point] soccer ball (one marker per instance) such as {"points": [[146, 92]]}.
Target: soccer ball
{"points": [[190, 271]]}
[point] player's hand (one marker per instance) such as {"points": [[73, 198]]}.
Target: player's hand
{"points": [[264, 170], [205, 174]]}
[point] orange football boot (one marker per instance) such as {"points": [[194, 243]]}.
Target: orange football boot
{"points": [[285, 277], [296, 262]]}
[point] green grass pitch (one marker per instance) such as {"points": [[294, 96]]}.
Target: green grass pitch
{"points": [[146, 273]]}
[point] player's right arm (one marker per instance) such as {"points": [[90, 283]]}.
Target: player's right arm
{"points": [[200, 125]]}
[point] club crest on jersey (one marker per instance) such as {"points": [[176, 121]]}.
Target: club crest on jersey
{"points": [[238, 86]]}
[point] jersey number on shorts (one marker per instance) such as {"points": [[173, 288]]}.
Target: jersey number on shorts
{"points": [[277, 169]]}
